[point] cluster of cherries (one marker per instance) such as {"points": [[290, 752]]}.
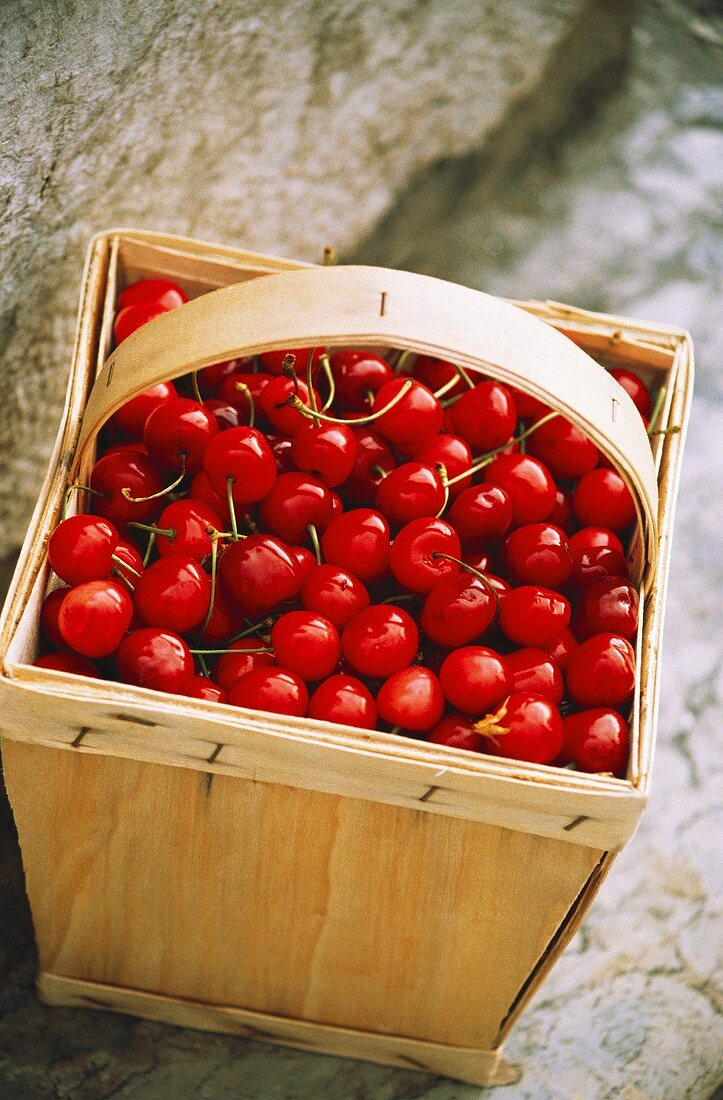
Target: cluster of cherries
{"points": [[380, 542]]}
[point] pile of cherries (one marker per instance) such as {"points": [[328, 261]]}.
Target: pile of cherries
{"points": [[386, 543]]}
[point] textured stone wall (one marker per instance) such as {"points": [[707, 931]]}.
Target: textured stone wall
{"points": [[281, 127]]}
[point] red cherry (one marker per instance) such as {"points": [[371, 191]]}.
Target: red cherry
{"points": [[81, 548], [535, 670], [411, 697], [210, 379], [564, 448], [273, 402], [481, 515], [128, 553], [134, 472], [200, 687], [528, 484], [412, 491], [528, 408], [373, 454], [174, 593], [596, 740], [358, 541], [601, 671], [485, 416], [358, 375], [130, 418], [156, 659], [177, 433], [635, 390], [67, 662], [588, 537], [345, 700], [458, 732], [243, 456], [326, 450], [203, 493], [295, 502], [94, 616], [134, 317], [603, 499], [452, 452], [415, 558], [561, 647], [232, 666], [275, 690], [273, 361], [258, 573], [334, 593], [161, 291], [49, 617], [306, 643], [532, 615], [305, 560], [457, 610], [225, 414], [337, 504], [192, 523], [474, 679], [538, 553], [222, 623], [526, 727], [281, 450], [595, 563], [242, 389], [435, 373], [608, 605], [561, 514], [380, 640], [413, 420]]}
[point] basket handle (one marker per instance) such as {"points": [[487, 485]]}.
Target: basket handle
{"points": [[368, 306]]}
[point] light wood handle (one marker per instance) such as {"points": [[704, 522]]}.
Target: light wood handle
{"points": [[368, 306]]}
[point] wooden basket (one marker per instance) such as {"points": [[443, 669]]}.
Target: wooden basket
{"points": [[304, 883]]}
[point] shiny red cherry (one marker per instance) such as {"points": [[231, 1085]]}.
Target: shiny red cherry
{"points": [[603, 499], [594, 563], [358, 541], [241, 660], [561, 647], [458, 609], [273, 401], [601, 671], [435, 373], [242, 456], [564, 448], [561, 514], [635, 389], [130, 418], [529, 408], [177, 433], [588, 537], [608, 605], [306, 643], [474, 679], [295, 502], [485, 416], [273, 361], [81, 548], [173, 593], [258, 573], [126, 470], [412, 698], [49, 612], [210, 379], [420, 552], [532, 615], [328, 451], [345, 700], [200, 687], [67, 662], [452, 452], [458, 732], [222, 622], [374, 459], [161, 291], [134, 317], [481, 515], [225, 414], [275, 690], [380, 640], [538, 553], [526, 727], [528, 484], [412, 491], [305, 560], [281, 450], [156, 659], [334, 593], [359, 375], [203, 493], [242, 390], [192, 524], [414, 419], [596, 740], [535, 670], [94, 616]]}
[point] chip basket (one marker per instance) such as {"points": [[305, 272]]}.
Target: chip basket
{"points": [[337, 890]]}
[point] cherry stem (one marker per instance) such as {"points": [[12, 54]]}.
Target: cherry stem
{"points": [[77, 487], [299, 405], [329, 258], [326, 367], [446, 387], [442, 471], [125, 491], [489, 456], [489, 726], [657, 409], [212, 652], [231, 507], [212, 600], [314, 536], [288, 370], [461, 371], [401, 360], [380, 471], [254, 628], [167, 532], [204, 666], [149, 548], [124, 578], [396, 729], [475, 573], [196, 390], [250, 523], [119, 561], [400, 597], [241, 387], [310, 387]]}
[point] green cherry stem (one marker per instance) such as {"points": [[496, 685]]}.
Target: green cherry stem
{"points": [[401, 360], [212, 600], [657, 409], [125, 491], [213, 652], [490, 456], [204, 666], [446, 387], [241, 387], [475, 573], [442, 471], [296, 403], [400, 597], [231, 507], [149, 548], [310, 387], [326, 367], [253, 628], [314, 536], [76, 487], [124, 565], [196, 390], [167, 532]]}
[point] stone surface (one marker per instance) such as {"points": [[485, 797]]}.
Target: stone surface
{"points": [[621, 217], [281, 128]]}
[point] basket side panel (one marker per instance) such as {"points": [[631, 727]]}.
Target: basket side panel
{"points": [[291, 902]]}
